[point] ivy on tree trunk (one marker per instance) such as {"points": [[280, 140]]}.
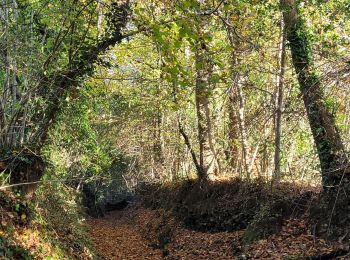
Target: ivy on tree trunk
{"points": [[330, 149]]}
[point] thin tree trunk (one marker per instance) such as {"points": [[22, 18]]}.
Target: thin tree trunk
{"points": [[238, 96], [202, 93], [264, 161], [330, 149], [254, 155], [242, 129], [202, 107], [278, 105], [157, 146], [233, 128], [200, 170], [99, 18], [10, 90], [157, 134], [158, 157]]}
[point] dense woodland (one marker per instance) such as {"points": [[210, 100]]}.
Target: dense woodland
{"points": [[197, 116]]}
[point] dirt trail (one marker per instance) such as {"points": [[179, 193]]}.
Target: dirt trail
{"points": [[117, 237], [137, 234]]}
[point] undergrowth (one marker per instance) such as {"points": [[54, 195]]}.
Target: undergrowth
{"points": [[51, 227]]}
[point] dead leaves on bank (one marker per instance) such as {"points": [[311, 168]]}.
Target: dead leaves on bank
{"points": [[293, 241], [137, 234]]}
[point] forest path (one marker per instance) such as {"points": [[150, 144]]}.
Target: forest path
{"points": [[134, 234], [116, 236]]}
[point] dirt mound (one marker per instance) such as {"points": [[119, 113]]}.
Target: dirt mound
{"points": [[293, 216], [229, 206]]}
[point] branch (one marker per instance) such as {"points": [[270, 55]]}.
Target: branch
{"points": [[63, 80], [232, 28], [148, 28], [188, 144], [215, 9]]}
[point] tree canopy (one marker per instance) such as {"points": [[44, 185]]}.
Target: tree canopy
{"points": [[105, 95]]}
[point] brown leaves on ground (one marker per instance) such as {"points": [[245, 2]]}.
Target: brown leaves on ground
{"points": [[293, 241], [131, 235], [117, 237], [138, 234], [184, 243]]}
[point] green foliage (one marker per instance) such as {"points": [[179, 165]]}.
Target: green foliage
{"points": [[77, 152], [61, 220], [9, 251]]}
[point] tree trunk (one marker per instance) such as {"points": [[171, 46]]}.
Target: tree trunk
{"points": [[242, 128], [158, 157], [157, 131], [233, 128], [278, 105], [238, 97], [328, 142], [99, 18], [202, 107], [264, 152], [202, 94]]}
